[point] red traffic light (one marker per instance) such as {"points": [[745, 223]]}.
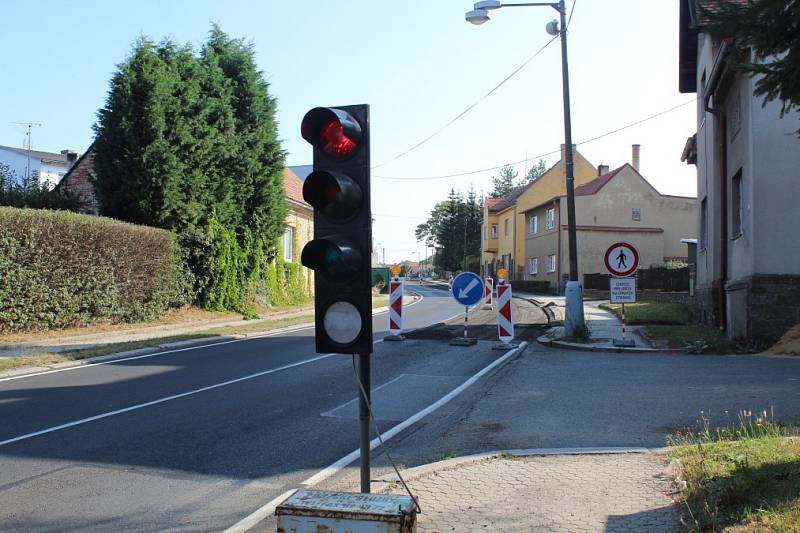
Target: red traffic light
{"points": [[331, 130]]}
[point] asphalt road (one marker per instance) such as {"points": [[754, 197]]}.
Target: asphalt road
{"points": [[199, 438]]}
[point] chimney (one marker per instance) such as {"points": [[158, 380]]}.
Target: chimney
{"points": [[72, 155], [635, 156], [602, 169]]}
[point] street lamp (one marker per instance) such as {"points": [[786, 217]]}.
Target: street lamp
{"points": [[573, 320]]}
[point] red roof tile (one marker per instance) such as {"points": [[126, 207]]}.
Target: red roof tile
{"points": [[293, 186], [592, 187]]}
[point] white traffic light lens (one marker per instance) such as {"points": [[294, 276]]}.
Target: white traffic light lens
{"points": [[342, 322]]}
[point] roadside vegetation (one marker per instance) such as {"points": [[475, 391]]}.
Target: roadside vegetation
{"points": [[742, 477], [653, 312]]}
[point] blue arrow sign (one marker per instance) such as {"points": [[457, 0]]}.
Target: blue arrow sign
{"points": [[468, 288]]}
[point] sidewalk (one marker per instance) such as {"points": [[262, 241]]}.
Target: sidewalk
{"points": [[532, 491], [604, 326]]}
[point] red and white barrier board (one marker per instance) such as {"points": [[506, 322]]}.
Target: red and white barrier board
{"points": [[505, 321], [396, 307], [487, 291]]}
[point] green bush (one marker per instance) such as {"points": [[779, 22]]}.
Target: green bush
{"points": [[532, 286], [61, 269]]}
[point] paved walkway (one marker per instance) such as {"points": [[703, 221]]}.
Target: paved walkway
{"points": [[625, 492]]}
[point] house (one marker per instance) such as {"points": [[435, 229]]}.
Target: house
{"points": [[503, 227], [619, 205], [748, 183], [77, 181], [49, 166]]}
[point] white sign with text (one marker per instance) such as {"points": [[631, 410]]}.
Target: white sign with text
{"points": [[623, 290]]}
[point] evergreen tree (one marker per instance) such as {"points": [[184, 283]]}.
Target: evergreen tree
{"points": [[771, 30], [535, 172], [505, 183]]}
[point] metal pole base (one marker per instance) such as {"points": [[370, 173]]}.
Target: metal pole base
{"points": [[505, 346], [463, 341]]}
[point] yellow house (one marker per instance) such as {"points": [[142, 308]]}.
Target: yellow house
{"points": [[503, 229], [299, 223]]}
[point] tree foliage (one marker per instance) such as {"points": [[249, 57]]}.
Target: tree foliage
{"points": [[454, 229], [27, 191], [183, 137], [771, 30], [505, 182], [535, 172]]}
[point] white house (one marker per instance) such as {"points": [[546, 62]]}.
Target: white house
{"points": [[49, 166], [748, 185]]}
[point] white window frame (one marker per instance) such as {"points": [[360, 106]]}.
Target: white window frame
{"points": [[533, 225], [533, 265], [494, 231], [551, 263], [288, 244], [550, 218], [505, 228]]}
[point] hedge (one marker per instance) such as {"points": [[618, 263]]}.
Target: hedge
{"points": [[541, 287], [61, 269]]}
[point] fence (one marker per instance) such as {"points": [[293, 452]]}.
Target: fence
{"points": [[653, 278]]}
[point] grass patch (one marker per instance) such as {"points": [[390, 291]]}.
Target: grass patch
{"points": [[697, 339], [380, 301], [745, 476], [450, 454], [653, 312]]}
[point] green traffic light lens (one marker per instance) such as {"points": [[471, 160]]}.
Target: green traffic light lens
{"points": [[336, 260]]}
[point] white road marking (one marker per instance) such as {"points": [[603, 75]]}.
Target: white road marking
{"points": [[352, 456], [252, 519], [161, 400], [328, 413], [268, 509]]}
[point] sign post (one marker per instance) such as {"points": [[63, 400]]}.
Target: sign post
{"points": [[467, 290], [622, 260], [487, 292], [395, 307]]}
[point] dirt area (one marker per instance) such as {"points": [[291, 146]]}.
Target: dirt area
{"points": [[529, 322], [789, 343]]}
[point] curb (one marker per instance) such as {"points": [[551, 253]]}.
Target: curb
{"points": [[431, 468], [553, 343], [207, 341]]}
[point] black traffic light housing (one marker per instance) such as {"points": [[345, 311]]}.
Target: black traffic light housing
{"points": [[340, 254]]}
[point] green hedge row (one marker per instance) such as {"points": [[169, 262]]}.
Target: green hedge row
{"points": [[542, 287], [61, 269]]}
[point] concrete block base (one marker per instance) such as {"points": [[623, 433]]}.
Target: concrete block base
{"points": [[463, 341]]}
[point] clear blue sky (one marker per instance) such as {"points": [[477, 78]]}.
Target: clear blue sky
{"points": [[417, 63]]}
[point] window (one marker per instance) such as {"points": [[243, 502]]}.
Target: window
{"points": [[736, 205], [505, 227], [636, 214], [288, 244], [550, 218], [534, 265], [533, 225], [551, 263], [494, 231], [703, 224]]}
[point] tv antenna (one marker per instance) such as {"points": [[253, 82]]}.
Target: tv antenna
{"points": [[29, 125]]}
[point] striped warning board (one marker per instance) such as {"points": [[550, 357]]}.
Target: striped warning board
{"points": [[396, 307], [487, 291], [505, 322]]}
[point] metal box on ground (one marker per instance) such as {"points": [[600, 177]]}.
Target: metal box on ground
{"points": [[316, 511]]}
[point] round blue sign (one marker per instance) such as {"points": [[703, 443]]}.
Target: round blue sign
{"points": [[468, 288]]}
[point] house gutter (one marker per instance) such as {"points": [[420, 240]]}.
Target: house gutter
{"points": [[711, 87]]}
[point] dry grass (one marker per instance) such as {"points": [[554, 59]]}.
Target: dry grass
{"points": [[789, 343]]}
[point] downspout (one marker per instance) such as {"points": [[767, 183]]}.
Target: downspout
{"points": [[708, 92], [557, 207]]}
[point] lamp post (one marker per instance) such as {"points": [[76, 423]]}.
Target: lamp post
{"points": [[573, 320]]}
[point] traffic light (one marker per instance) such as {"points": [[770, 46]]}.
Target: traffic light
{"points": [[340, 254]]}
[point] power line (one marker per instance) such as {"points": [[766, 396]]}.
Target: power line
{"points": [[571, 12], [471, 172], [468, 109]]}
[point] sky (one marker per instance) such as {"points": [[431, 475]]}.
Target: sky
{"points": [[417, 63]]}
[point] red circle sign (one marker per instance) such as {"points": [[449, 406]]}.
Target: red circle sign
{"points": [[621, 259]]}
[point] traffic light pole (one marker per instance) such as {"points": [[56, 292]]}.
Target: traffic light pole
{"points": [[363, 418]]}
